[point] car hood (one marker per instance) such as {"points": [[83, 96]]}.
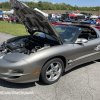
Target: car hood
{"points": [[33, 20]]}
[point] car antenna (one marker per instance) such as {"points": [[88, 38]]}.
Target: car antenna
{"points": [[45, 36]]}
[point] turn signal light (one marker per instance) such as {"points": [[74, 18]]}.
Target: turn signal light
{"points": [[36, 72]]}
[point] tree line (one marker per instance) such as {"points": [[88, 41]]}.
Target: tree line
{"points": [[50, 6]]}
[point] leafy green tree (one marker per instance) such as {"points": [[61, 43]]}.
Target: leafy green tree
{"points": [[50, 6]]}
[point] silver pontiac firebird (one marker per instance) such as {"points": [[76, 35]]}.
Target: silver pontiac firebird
{"points": [[48, 53]]}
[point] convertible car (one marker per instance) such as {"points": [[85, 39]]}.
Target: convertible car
{"points": [[50, 52]]}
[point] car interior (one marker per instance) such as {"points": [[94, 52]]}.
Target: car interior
{"points": [[88, 34]]}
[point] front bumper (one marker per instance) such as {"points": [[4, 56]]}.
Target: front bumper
{"points": [[7, 68]]}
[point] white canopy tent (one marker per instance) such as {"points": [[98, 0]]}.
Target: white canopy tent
{"points": [[46, 15], [94, 16], [4, 11], [10, 12]]}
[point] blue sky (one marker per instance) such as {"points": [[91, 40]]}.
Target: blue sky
{"points": [[80, 3]]}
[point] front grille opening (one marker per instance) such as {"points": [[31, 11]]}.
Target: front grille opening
{"points": [[13, 77]]}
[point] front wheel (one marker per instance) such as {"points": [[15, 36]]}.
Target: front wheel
{"points": [[52, 71]]}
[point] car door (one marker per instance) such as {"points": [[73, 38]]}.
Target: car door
{"points": [[85, 52]]}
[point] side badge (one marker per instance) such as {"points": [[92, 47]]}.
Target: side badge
{"points": [[97, 48]]}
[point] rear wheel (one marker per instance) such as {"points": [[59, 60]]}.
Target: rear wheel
{"points": [[52, 71]]}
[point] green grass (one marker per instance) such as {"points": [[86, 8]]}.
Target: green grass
{"points": [[12, 28], [4, 9], [16, 29]]}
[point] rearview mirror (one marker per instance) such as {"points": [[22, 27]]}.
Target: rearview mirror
{"points": [[81, 40]]}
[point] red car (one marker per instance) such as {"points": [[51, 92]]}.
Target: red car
{"points": [[54, 24], [98, 27]]}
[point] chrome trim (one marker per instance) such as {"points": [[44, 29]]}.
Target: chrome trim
{"points": [[70, 61]]}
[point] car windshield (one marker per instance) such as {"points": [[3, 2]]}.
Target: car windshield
{"points": [[68, 34]]}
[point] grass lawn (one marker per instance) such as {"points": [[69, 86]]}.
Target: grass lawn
{"points": [[13, 28], [16, 29], [4, 9]]}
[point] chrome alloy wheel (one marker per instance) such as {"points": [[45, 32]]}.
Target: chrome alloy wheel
{"points": [[53, 71]]}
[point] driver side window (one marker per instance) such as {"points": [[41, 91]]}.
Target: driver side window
{"points": [[88, 34]]}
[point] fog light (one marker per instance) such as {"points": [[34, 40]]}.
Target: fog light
{"points": [[15, 71]]}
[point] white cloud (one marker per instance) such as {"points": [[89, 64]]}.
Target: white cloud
{"points": [[53, 2], [33, 1], [30, 0], [36, 1]]}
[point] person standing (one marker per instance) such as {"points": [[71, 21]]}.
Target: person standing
{"points": [[3, 17], [99, 20]]}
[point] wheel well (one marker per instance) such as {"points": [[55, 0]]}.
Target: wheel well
{"points": [[61, 57]]}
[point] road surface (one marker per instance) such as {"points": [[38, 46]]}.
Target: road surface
{"points": [[80, 83]]}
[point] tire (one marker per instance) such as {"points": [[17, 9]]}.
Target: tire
{"points": [[52, 70]]}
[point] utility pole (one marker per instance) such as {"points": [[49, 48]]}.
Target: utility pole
{"points": [[68, 8], [99, 11]]}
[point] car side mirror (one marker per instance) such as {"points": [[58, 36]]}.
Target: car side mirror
{"points": [[81, 40]]}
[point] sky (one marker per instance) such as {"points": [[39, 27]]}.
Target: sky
{"points": [[80, 3]]}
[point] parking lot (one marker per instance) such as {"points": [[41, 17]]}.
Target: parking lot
{"points": [[80, 83]]}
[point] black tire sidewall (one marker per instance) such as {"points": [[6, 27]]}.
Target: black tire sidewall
{"points": [[43, 70]]}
